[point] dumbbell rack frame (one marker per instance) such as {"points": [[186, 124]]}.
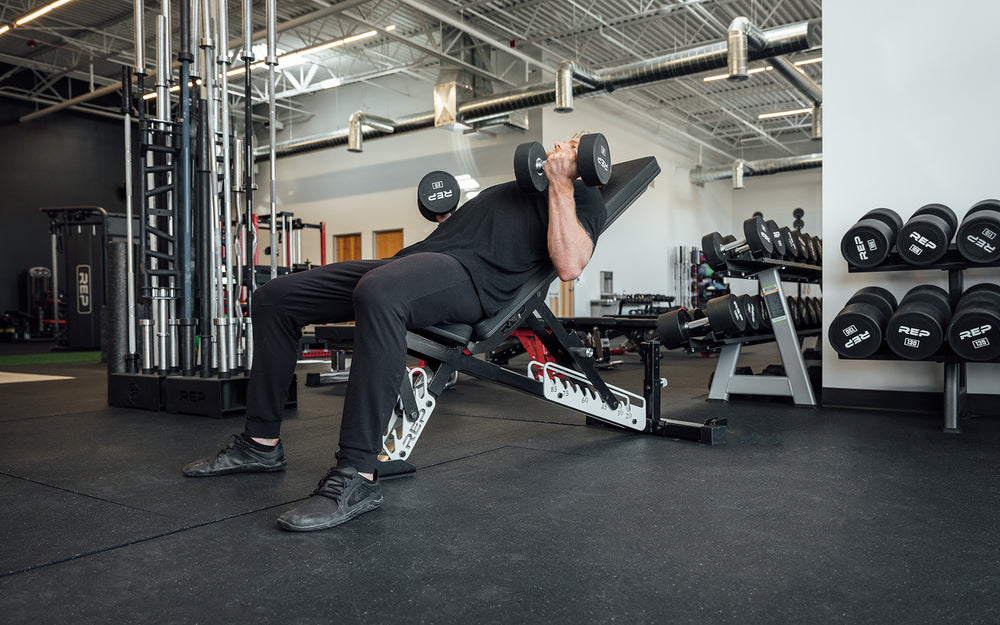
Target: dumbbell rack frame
{"points": [[956, 405], [770, 273]]}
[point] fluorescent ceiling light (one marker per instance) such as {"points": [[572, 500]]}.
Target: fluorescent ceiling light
{"points": [[758, 70], [4, 29], [40, 12], [784, 113]]}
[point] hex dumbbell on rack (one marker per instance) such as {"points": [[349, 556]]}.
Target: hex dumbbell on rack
{"points": [[978, 238], [756, 240], [858, 329], [593, 161], [868, 243], [974, 332], [925, 236], [917, 329], [724, 316]]}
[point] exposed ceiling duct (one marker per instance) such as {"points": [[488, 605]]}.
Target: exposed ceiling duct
{"points": [[743, 37], [740, 169], [775, 42]]}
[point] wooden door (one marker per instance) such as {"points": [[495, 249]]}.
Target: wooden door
{"points": [[348, 246], [388, 242]]}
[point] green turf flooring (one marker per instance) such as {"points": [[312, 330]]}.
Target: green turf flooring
{"points": [[50, 357]]}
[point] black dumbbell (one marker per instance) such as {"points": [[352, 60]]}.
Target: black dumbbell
{"points": [[438, 194], [756, 240], [762, 312], [777, 240], [805, 248], [867, 243], [809, 316], [593, 162], [974, 332], [723, 315], [917, 329], [792, 251], [978, 238], [751, 313], [858, 329], [818, 247], [794, 312], [925, 236]]}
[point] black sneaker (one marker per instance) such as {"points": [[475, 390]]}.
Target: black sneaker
{"points": [[340, 496], [239, 456]]}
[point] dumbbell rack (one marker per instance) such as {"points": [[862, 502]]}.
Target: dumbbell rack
{"points": [[955, 394], [795, 383]]}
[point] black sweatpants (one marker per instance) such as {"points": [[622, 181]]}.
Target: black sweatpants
{"points": [[384, 298]]}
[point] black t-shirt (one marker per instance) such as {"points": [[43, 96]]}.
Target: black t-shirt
{"points": [[500, 237]]}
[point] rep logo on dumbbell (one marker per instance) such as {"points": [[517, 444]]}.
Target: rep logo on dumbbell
{"points": [[858, 329], [593, 162], [924, 238], [977, 238], [438, 194]]}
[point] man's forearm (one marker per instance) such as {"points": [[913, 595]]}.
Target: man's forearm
{"points": [[570, 246]]}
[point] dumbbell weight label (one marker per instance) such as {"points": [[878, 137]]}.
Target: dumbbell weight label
{"points": [[981, 242], [857, 339]]}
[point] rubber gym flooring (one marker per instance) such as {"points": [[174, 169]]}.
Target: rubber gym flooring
{"points": [[519, 513]]}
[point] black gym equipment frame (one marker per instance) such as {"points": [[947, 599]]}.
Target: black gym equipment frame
{"points": [[454, 348]]}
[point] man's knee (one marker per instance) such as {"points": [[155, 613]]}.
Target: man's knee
{"points": [[267, 299], [374, 294]]}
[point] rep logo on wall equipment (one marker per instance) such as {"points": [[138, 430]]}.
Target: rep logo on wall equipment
{"points": [[83, 291]]}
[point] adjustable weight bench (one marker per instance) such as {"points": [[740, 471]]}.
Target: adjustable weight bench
{"points": [[570, 378]]}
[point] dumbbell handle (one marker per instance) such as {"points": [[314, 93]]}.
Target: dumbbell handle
{"points": [[540, 165], [697, 323], [734, 245]]}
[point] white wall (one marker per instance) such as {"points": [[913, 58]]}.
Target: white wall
{"points": [[910, 118]]}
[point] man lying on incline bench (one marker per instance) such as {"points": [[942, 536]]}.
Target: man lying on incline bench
{"points": [[462, 272]]}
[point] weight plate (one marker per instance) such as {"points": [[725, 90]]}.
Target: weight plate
{"points": [[528, 168], [438, 193], [856, 331], [777, 240], [593, 158]]}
